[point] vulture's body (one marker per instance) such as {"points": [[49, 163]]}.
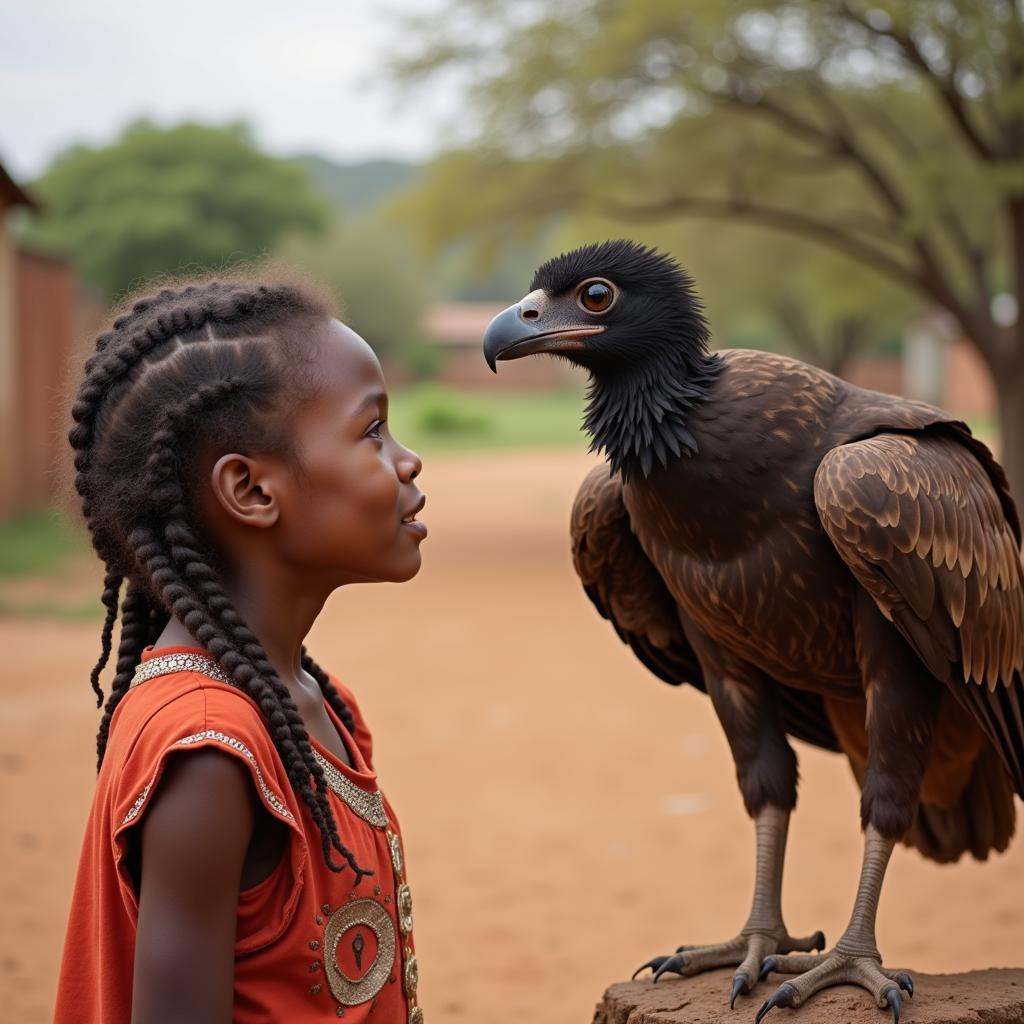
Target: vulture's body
{"points": [[825, 562], [753, 546]]}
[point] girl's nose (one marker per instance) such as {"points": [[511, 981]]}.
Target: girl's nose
{"points": [[409, 465]]}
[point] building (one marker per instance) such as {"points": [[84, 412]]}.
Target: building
{"points": [[37, 330]]}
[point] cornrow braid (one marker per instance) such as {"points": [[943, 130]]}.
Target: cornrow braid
{"points": [[162, 381], [111, 595]]}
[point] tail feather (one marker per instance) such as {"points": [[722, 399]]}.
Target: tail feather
{"points": [[982, 820]]}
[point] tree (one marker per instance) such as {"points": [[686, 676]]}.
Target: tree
{"points": [[890, 132], [367, 266], [160, 200]]}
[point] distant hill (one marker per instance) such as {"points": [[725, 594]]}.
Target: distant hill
{"points": [[357, 187]]}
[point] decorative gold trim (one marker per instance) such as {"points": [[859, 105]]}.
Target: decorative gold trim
{"points": [[349, 991], [415, 1015], [369, 805], [275, 802], [412, 974], [165, 664], [395, 845], [268, 794], [403, 905]]}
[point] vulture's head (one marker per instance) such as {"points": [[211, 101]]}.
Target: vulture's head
{"points": [[610, 308], [630, 316]]}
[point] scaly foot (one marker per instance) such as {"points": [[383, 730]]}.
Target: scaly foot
{"points": [[835, 968], [748, 950]]}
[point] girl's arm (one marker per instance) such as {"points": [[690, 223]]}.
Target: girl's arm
{"points": [[194, 841]]}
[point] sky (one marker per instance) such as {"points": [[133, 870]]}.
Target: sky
{"points": [[308, 75]]}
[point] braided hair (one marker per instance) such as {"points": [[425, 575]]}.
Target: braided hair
{"points": [[211, 366]]}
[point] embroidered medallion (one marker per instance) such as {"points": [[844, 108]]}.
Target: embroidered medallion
{"points": [[359, 951]]}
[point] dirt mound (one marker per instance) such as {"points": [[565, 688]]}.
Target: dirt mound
{"points": [[979, 997]]}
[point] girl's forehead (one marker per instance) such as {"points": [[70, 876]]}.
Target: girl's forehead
{"points": [[346, 360]]}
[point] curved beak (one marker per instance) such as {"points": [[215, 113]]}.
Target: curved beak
{"points": [[522, 330]]}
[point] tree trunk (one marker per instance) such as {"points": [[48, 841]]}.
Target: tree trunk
{"points": [[1010, 390]]}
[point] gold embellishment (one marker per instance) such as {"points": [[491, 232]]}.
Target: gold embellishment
{"points": [[404, 907], [268, 794], [165, 664], [415, 1015], [368, 805], [349, 991], [137, 806], [395, 845], [412, 974]]}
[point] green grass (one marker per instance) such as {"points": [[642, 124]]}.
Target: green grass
{"points": [[37, 543], [54, 611], [432, 419]]}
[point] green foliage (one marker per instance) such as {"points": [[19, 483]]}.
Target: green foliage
{"points": [[440, 412], [37, 543], [884, 136], [432, 419], [158, 201], [356, 189], [373, 277]]}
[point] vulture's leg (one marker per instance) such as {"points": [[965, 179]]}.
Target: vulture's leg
{"points": [[746, 703], [903, 701]]}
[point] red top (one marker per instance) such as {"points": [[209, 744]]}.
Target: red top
{"points": [[308, 945]]}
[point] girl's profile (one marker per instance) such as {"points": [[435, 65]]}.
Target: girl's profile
{"points": [[240, 862]]}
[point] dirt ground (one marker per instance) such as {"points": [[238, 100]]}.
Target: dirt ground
{"points": [[566, 815]]}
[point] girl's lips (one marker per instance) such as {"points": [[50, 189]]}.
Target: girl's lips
{"points": [[420, 529]]}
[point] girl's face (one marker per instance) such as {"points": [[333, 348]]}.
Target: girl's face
{"points": [[347, 509]]}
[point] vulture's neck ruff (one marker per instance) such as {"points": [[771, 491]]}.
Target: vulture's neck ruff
{"points": [[638, 418]]}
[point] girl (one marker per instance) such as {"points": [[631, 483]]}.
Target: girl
{"points": [[240, 863]]}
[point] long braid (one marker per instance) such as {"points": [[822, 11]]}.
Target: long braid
{"points": [[111, 594], [136, 614], [155, 546], [244, 658]]}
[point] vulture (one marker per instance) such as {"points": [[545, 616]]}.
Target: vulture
{"points": [[824, 562]]}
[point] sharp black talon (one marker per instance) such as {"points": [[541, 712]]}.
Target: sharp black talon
{"points": [[905, 982], [892, 994], [768, 964], [672, 964], [819, 941], [782, 996], [653, 964], [682, 949], [740, 983]]}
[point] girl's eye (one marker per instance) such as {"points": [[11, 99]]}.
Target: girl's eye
{"points": [[375, 429]]}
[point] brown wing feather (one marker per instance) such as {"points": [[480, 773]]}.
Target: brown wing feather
{"points": [[622, 583], [920, 523], [628, 591]]}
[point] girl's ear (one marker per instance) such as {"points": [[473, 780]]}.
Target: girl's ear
{"points": [[245, 490]]}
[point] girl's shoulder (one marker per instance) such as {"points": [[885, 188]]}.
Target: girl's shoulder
{"points": [[173, 707]]}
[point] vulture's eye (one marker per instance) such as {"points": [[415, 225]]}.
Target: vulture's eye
{"points": [[596, 296]]}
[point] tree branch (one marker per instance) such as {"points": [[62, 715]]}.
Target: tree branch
{"points": [[944, 85], [839, 138], [791, 221]]}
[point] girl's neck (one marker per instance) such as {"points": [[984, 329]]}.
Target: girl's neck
{"points": [[279, 616]]}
